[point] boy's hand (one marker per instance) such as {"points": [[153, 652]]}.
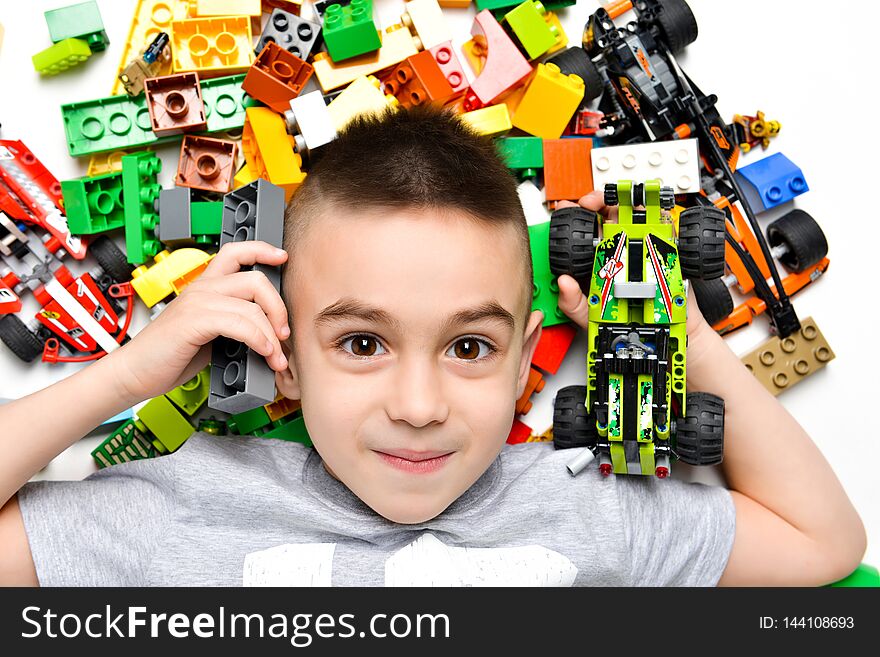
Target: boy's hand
{"points": [[242, 305], [574, 303]]}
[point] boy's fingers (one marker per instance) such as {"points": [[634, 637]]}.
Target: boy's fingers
{"points": [[594, 201], [572, 301], [254, 286], [235, 255], [245, 322]]}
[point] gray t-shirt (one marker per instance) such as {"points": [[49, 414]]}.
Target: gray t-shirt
{"points": [[233, 511]]}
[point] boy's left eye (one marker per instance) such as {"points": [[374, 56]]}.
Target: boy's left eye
{"points": [[470, 349]]}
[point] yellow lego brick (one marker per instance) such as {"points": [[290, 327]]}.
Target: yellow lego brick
{"points": [[150, 18], [363, 96], [473, 53], [163, 278], [281, 407], [212, 46], [202, 8], [424, 18], [397, 45], [101, 163], [244, 176], [781, 363], [268, 150], [491, 120], [561, 37], [549, 102]]}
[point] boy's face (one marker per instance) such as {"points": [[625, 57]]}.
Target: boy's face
{"points": [[411, 350]]}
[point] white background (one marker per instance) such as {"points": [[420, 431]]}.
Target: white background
{"points": [[785, 57]]}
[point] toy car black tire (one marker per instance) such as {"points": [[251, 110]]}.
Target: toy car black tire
{"points": [[699, 435], [701, 242], [802, 235], [19, 338], [714, 299], [573, 426], [571, 244], [677, 24], [111, 259], [575, 60]]}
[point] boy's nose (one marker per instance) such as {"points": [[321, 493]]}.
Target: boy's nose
{"points": [[417, 396]]}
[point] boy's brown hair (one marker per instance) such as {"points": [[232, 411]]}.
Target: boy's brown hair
{"points": [[420, 158]]}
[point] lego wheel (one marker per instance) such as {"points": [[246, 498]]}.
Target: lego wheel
{"points": [[699, 435], [573, 426], [576, 61], [571, 244], [677, 24], [804, 240], [713, 298], [19, 338], [112, 260], [701, 242]]}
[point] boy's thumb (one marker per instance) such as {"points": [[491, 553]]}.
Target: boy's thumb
{"points": [[572, 301]]}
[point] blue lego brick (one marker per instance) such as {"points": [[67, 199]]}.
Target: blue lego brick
{"points": [[771, 181], [240, 378]]}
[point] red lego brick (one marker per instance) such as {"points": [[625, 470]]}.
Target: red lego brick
{"points": [[519, 433], [504, 65], [276, 77], [552, 347], [448, 61], [417, 80], [175, 104], [568, 174], [206, 163], [534, 385]]}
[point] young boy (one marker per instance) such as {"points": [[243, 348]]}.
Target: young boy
{"points": [[409, 290]]}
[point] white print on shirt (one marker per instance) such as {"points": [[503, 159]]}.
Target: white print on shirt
{"points": [[427, 561], [292, 564]]}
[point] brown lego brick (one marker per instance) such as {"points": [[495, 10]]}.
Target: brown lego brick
{"points": [[781, 363], [567, 171], [276, 77], [175, 104], [206, 163]]}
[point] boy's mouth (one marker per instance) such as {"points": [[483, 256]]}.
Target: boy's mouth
{"points": [[414, 461]]}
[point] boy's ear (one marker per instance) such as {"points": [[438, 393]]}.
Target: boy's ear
{"points": [[287, 382], [530, 343]]}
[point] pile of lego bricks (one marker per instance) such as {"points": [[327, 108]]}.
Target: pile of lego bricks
{"points": [[230, 80]]}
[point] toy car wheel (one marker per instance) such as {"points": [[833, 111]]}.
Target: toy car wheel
{"points": [[609, 194], [571, 244], [111, 258], [701, 242], [803, 238], [714, 299], [677, 24], [19, 338], [573, 426], [699, 435], [576, 60]]}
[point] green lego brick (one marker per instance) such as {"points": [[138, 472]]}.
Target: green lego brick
{"points": [[140, 190], [864, 576], [528, 26], [62, 56], [350, 31], [190, 396], [524, 155], [545, 291], [244, 424], [82, 21], [162, 419], [292, 428], [225, 103], [93, 205], [492, 5], [206, 220], [559, 4], [212, 426], [125, 444], [107, 124]]}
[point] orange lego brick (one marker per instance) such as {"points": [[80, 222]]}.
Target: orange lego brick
{"points": [[207, 164], [535, 385], [417, 80], [567, 170], [269, 150], [457, 4], [554, 344], [281, 407], [212, 46], [175, 104], [276, 77]]}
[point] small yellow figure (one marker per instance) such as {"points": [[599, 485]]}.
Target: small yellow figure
{"points": [[751, 130]]}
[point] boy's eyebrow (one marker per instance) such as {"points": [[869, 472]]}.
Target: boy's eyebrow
{"points": [[347, 308]]}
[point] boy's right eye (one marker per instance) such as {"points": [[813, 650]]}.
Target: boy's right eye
{"points": [[362, 346]]}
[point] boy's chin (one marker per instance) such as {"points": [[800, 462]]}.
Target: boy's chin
{"points": [[405, 512]]}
